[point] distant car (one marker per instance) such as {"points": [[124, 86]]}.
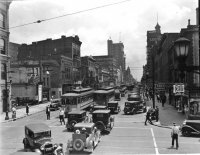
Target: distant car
{"points": [[85, 138], [55, 104], [103, 120], [114, 107], [74, 117], [99, 107], [132, 107], [190, 127], [38, 138]]}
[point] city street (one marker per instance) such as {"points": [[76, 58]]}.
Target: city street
{"points": [[129, 136]]}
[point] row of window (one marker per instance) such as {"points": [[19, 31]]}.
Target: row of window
{"points": [[2, 46], [2, 20]]}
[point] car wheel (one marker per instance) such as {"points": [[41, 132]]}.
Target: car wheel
{"points": [[100, 126], [185, 133], [78, 145]]}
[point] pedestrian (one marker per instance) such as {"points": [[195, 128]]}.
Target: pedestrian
{"points": [[174, 135], [13, 113], [158, 98], [157, 113], [148, 114], [163, 99], [48, 112], [61, 116], [27, 109]]}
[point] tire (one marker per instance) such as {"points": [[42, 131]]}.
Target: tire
{"points": [[78, 145], [186, 133], [72, 123], [100, 125]]}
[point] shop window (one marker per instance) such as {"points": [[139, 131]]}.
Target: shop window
{"points": [[2, 46], [2, 20]]}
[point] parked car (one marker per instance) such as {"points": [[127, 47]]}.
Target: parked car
{"points": [[85, 138], [103, 120], [38, 138], [114, 107], [132, 107], [75, 117], [190, 127], [55, 104]]}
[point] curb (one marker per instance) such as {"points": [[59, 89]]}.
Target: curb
{"points": [[10, 120]]}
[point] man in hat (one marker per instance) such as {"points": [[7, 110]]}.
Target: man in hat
{"points": [[174, 135]]}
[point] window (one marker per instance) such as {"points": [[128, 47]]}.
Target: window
{"points": [[2, 21], [3, 71], [2, 46]]}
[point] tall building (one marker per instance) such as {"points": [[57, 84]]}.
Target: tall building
{"points": [[116, 50], [153, 38], [4, 57]]}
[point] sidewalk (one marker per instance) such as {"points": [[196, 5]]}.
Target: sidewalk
{"points": [[167, 114], [20, 113]]}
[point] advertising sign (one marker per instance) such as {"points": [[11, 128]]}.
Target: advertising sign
{"points": [[178, 88], [39, 93]]}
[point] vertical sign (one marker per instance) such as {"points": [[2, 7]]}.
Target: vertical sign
{"points": [[39, 93]]}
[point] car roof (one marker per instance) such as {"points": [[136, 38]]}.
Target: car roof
{"points": [[113, 102], [100, 106], [84, 125], [38, 127], [193, 121], [132, 101], [101, 111], [77, 112]]}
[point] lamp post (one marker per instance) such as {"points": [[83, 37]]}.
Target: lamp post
{"points": [[181, 48]]}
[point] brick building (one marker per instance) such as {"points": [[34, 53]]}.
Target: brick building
{"points": [[4, 57], [116, 50]]}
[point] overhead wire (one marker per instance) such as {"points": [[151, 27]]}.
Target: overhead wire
{"points": [[68, 14]]}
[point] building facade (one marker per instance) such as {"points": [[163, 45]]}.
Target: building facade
{"points": [[4, 57], [116, 50]]}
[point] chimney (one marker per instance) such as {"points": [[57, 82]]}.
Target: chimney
{"points": [[188, 22]]}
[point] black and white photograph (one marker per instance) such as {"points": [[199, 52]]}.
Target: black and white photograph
{"points": [[99, 77]]}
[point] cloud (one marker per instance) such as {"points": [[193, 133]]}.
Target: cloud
{"points": [[127, 22]]}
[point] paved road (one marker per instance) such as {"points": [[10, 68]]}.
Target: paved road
{"points": [[129, 136]]}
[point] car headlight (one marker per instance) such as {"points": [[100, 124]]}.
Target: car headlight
{"points": [[184, 122]]}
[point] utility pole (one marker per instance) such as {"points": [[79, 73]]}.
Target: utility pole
{"points": [[6, 93]]}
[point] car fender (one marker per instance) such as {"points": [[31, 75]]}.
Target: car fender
{"points": [[187, 127]]}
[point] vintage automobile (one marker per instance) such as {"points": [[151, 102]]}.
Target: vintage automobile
{"points": [[55, 104], [132, 107], [75, 116], [38, 138], [85, 138], [190, 127], [114, 107], [103, 120]]}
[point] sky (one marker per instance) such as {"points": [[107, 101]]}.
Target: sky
{"points": [[127, 21]]}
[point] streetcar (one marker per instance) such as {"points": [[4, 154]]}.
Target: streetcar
{"points": [[117, 95], [77, 99], [103, 95]]}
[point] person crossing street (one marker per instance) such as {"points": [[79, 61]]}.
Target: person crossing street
{"points": [[61, 116], [174, 135]]}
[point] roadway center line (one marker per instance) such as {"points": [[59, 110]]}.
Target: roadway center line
{"points": [[154, 142]]}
